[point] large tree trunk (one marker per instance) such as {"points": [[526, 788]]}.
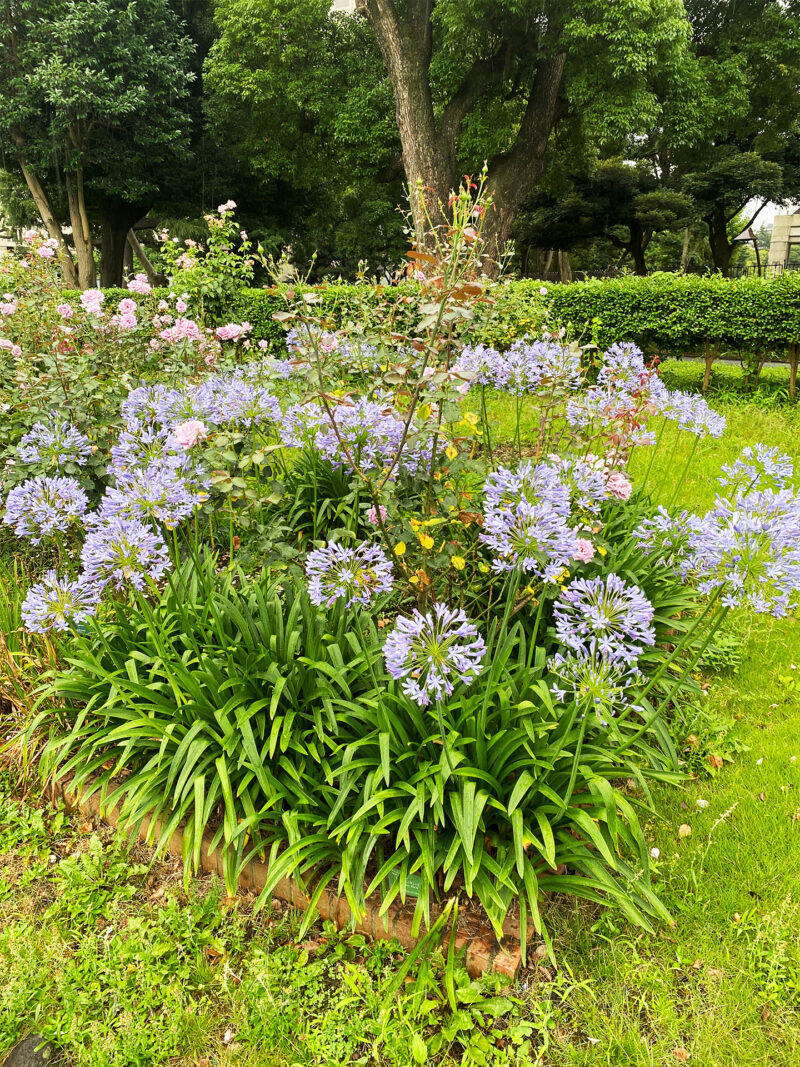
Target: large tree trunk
{"points": [[81, 231], [429, 146], [721, 248], [42, 202], [564, 268], [116, 218], [153, 276]]}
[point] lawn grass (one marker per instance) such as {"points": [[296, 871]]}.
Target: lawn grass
{"points": [[115, 961]]}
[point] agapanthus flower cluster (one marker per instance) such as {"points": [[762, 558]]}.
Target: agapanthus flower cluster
{"points": [[624, 368], [54, 443], [431, 653], [750, 547], [157, 491], [526, 519], [666, 536], [604, 624], [691, 412], [123, 550], [758, 467], [615, 413], [56, 602], [356, 574], [44, 506], [143, 443], [526, 367], [586, 478], [605, 616]]}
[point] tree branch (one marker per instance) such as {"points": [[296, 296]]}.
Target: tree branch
{"points": [[482, 74]]}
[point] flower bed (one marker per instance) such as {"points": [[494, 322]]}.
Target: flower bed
{"points": [[313, 603]]}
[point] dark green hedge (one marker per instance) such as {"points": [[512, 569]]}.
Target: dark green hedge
{"points": [[671, 314], [668, 314]]}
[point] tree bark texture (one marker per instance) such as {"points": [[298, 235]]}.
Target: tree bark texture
{"points": [[81, 232], [429, 145]]}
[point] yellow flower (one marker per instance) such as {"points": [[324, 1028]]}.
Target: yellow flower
{"points": [[451, 452], [426, 540], [483, 568], [400, 548], [459, 562], [602, 551]]}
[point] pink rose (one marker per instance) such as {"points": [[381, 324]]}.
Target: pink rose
{"points": [[45, 252], [619, 486], [66, 311], [181, 306], [584, 550], [190, 433], [372, 515]]}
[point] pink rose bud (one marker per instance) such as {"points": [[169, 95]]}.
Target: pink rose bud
{"points": [[190, 433], [619, 486], [584, 550]]}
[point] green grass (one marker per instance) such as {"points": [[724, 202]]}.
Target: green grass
{"points": [[116, 962]]}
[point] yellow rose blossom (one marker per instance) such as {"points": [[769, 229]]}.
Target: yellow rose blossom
{"points": [[459, 562], [400, 548], [426, 541], [451, 452]]}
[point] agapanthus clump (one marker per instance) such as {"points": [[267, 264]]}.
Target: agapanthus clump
{"points": [[526, 520], [479, 364], [151, 403], [666, 536], [691, 412], [56, 603], [44, 506], [369, 431], [244, 404], [605, 616], [124, 550], [143, 443], [749, 546], [356, 574], [158, 492], [586, 478], [615, 414], [431, 653], [604, 684], [758, 467], [54, 444]]}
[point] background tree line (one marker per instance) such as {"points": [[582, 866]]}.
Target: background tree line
{"points": [[632, 134]]}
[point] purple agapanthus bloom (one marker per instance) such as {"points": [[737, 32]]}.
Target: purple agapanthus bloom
{"points": [[605, 616], [758, 467], [586, 477], [479, 364], [431, 653], [151, 403], [142, 444], [691, 412], [55, 603], [526, 519], [356, 574], [157, 492], [750, 546], [124, 550], [666, 536], [54, 443], [605, 684], [44, 506]]}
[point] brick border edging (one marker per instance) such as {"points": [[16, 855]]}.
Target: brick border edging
{"points": [[483, 951]]}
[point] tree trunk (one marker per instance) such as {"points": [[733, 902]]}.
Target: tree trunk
{"points": [[42, 202], [81, 232], [685, 249], [564, 268], [116, 218], [152, 274], [429, 146], [721, 248]]}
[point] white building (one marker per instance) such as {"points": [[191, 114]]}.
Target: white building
{"points": [[343, 5]]}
